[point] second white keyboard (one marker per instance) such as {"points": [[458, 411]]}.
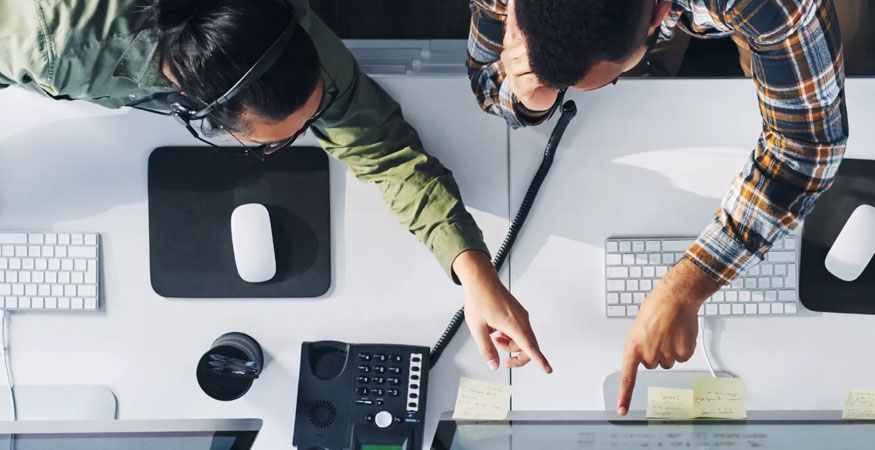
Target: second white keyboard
{"points": [[49, 271], [634, 265]]}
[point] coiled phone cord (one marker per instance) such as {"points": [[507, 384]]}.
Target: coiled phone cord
{"points": [[569, 110]]}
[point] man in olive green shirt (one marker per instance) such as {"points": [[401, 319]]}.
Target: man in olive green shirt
{"points": [[99, 51]]}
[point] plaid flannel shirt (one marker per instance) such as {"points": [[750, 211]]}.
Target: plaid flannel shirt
{"points": [[798, 70]]}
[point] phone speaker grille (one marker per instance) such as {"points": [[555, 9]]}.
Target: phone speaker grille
{"points": [[323, 414]]}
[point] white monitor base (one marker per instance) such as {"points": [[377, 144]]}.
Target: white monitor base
{"points": [[660, 378], [39, 403]]}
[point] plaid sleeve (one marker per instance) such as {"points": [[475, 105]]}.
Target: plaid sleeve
{"points": [[488, 80], [799, 73]]}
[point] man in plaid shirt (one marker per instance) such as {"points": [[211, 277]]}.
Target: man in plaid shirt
{"points": [[522, 54]]}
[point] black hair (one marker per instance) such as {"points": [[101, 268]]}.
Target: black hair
{"points": [[208, 45], [565, 38]]}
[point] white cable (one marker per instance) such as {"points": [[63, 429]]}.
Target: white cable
{"points": [[702, 328], [7, 361]]}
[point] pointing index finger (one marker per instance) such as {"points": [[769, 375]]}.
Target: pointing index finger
{"points": [[628, 374]]}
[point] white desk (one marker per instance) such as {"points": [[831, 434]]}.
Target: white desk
{"points": [[629, 165], [73, 166]]}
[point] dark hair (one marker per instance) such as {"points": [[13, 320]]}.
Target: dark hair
{"points": [[209, 44], [566, 38]]}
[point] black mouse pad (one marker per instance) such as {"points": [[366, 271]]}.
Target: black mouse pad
{"points": [[820, 290], [194, 190]]}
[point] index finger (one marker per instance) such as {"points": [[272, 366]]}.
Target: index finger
{"points": [[628, 373], [525, 339]]}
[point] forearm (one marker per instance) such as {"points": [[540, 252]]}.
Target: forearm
{"points": [[474, 267], [687, 284]]}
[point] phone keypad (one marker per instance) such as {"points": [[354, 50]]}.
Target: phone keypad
{"points": [[370, 377]]}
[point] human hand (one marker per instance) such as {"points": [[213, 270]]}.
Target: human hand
{"points": [[666, 327], [524, 84], [490, 307]]}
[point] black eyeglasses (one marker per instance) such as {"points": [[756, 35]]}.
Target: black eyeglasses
{"points": [[260, 152]]}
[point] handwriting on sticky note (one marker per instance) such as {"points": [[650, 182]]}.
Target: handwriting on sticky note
{"points": [[666, 403], [720, 398], [859, 404], [481, 400]]}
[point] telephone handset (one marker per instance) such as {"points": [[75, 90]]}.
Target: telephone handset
{"points": [[361, 396]]}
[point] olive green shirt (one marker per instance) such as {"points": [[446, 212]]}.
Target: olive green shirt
{"points": [[89, 50]]}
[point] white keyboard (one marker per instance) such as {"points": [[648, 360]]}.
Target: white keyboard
{"points": [[49, 271], [634, 265]]}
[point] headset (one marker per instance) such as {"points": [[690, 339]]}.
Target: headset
{"points": [[182, 107]]}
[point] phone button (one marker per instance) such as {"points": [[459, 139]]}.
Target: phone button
{"points": [[383, 419]]}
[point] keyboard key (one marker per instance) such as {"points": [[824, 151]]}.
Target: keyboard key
{"points": [[790, 281], [87, 291], [51, 277], [676, 246], [628, 260], [646, 285], [15, 263], [777, 282], [731, 296], [80, 265], [5, 289], [738, 283], [17, 289], [615, 272], [44, 290], [632, 285], [641, 259], [654, 260], [12, 302], [61, 252], [24, 277], [710, 310], [771, 296], [30, 290], [638, 246], [39, 277], [48, 252], [653, 246], [77, 278], [51, 238], [21, 250], [77, 303], [70, 290], [757, 296], [626, 298], [7, 250], [764, 308], [789, 308], [35, 238], [51, 303], [750, 283], [790, 243], [33, 251], [54, 264], [767, 269], [4, 263], [753, 270], [90, 303], [616, 311], [638, 298], [612, 247], [63, 303], [661, 271], [725, 309], [625, 246], [648, 272], [750, 308], [614, 260], [737, 309], [24, 302], [82, 252], [67, 265], [764, 283], [778, 308], [64, 238], [64, 278], [719, 296], [57, 290], [632, 311], [90, 239], [27, 264], [613, 298], [668, 258], [13, 238], [781, 256], [37, 303], [744, 296], [77, 239], [636, 272], [616, 285], [11, 276], [787, 296]]}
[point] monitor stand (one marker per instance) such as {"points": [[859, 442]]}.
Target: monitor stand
{"points": [[40, 403], [658, 378]]}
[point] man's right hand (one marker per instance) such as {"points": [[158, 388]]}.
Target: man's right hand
{"points": [[515, 57]]}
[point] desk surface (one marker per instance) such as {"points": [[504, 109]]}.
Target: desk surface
{"points": [[69, 166], [629, 166], [72, 166]]}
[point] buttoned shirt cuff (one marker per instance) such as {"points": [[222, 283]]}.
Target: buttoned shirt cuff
{"points": [[450, 241], [719, 255]]}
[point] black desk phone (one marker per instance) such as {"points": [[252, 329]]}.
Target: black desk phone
{"points": [[361, 397]]}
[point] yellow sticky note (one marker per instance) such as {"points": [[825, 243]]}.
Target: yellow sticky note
{"points": [[720, 398], [481, 400], [666, 403], [859, 404]]}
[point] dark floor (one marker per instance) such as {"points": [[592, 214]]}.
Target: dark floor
{"points": [[449, 19]]}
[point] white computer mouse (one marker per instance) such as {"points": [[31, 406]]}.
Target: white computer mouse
{"points": [[855, 246], [252, 238]]}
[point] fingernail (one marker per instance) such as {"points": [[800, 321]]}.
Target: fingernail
{"points": [[622, 411], [493, 364]]}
